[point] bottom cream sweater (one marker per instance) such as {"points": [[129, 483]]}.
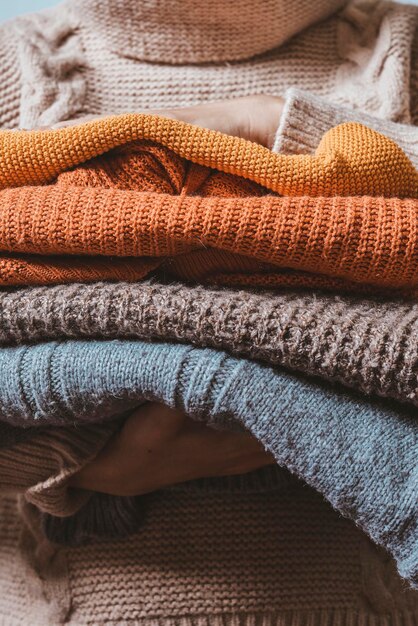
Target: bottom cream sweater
{"points": [[253, 550], [244, 552], [256, 549]]}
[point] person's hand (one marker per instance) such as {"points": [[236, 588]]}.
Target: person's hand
{"points": [[255, 118], [158, 447]]}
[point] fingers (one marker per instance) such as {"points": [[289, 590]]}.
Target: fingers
{"points": [[74, 122], [255, 118], [159, 447]]}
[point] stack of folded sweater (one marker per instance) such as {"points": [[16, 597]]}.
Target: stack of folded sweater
{"points": [[143, 258]]}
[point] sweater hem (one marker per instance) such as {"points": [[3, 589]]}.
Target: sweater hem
{"points": [[321, 617]]}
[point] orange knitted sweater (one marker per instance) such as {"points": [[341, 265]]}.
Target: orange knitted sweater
{"points": [[143, 195]]}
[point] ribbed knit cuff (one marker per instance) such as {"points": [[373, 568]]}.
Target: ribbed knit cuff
{"points": [[40, 467], [306, 118], [302, 123]]}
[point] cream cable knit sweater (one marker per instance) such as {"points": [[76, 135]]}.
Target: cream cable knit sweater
{"points": [[109, 56]]}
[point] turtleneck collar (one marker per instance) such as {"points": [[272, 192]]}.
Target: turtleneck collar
{"points": [[198, 31]]}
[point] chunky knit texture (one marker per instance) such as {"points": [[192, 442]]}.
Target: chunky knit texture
{"points": [[89, 56], [144, 200], [351, 159], [367, 344], [360, 455]]}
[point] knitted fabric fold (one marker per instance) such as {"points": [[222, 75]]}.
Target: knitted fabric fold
{"points": [[360, 455], [85, 56], [351, 159], [40, 463], [367, 344], [110, 517], [37, 464], [144, 197], [153, 210]]}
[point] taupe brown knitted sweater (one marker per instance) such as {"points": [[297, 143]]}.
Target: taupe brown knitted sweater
{"points": [[244, 553], [366, 344]]}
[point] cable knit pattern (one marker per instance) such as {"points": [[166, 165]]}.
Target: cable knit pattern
{"points": [[365, 467], [366, 36], [308, 565], [350, 46], [365, 344], [87, 57], [51, 61], [360, 55], [317, 60]]}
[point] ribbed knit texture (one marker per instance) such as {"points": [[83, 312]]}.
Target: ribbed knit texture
{"points": [[70, 518], [306, 118], [101, 517], [10, 435], [134, 202], [87, 57], [40, 464], [10, 74], [367, 344], [360, 455], [200, 558], [182, 32]]}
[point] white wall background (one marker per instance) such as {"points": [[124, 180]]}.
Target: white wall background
{"points": [[10, 8]]}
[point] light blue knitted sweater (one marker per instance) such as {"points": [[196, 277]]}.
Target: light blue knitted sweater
{"points": [[361, 455]]}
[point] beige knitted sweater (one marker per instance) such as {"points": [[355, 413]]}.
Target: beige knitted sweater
{"points": [[110, 56], [259, 550]]}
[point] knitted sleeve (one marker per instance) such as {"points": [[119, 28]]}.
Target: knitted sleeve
{"points": [[39, 465], [9, 78], [413, 87], [306, 118]]}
